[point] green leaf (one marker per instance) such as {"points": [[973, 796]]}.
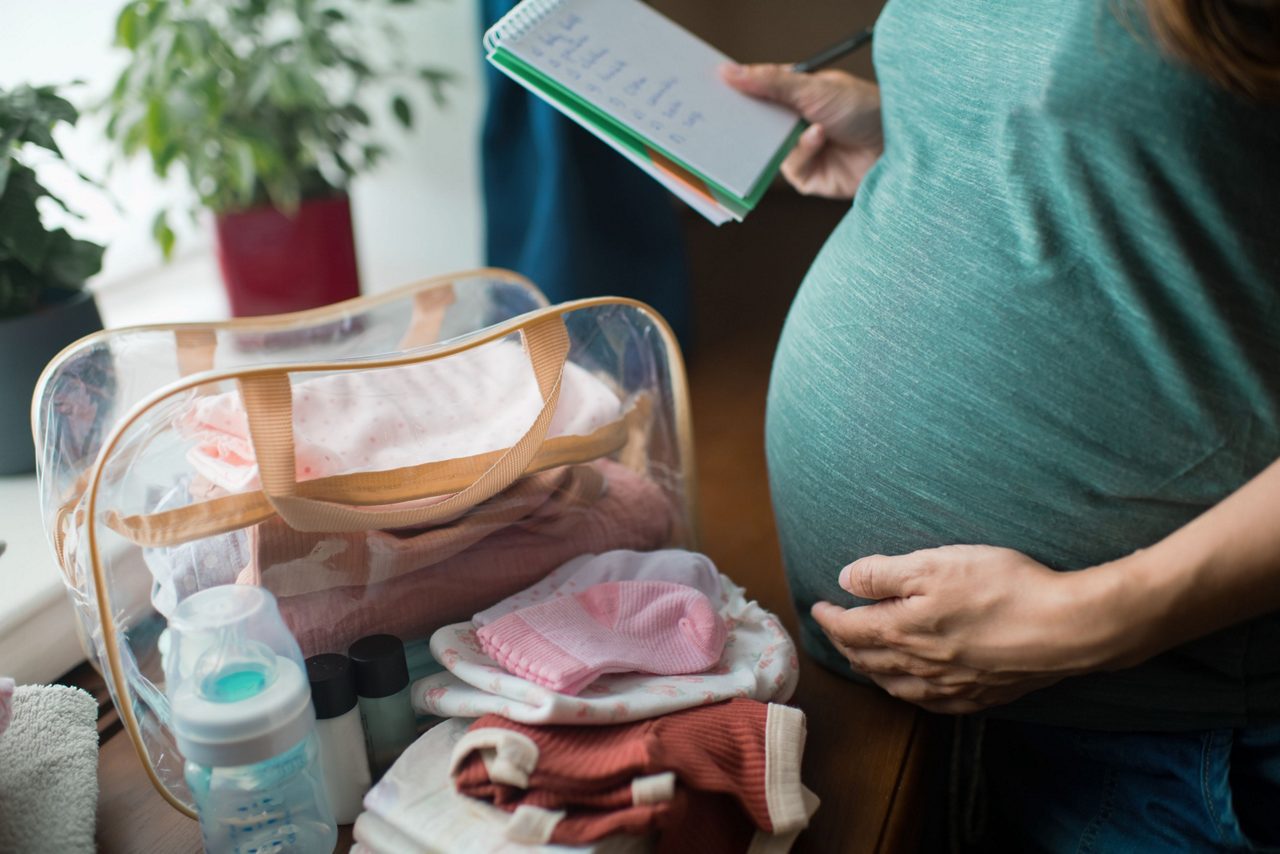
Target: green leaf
{"points": [[333, 15], [354, 113], [157, 129], [246, 173], [56, 108], [72, 262], [400, 107], [39, 135], [127, 27], [21, 230], [436, 80], [163, 234]]}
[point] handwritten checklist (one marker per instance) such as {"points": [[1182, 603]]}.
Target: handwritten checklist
{"points": [[657, 79]]}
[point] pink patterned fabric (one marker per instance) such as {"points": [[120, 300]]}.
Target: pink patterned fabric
{"points": [[476, 401], [566, 643], [291, 563], [633, 513]]}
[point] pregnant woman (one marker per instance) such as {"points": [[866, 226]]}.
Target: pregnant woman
{"points": [[1024, 419]]}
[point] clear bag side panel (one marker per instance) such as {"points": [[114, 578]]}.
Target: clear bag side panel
{"points": [[93, 386], [614, 482], [627, 344], [379, 329]]}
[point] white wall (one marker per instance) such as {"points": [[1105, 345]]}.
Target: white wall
{"points": [[418, 214]]}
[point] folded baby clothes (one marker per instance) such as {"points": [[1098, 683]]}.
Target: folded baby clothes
{"points": [[607, 778], [414, 809], [476, 401], [566, 643], [291, 563], [180, 570], [675, 565], [759, 662], [49, 771], [633, 512], [6, 701]]}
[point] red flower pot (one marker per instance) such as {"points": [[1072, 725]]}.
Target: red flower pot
{"points": [[273, 263]]}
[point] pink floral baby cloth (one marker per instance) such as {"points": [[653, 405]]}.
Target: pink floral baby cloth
{"points": [[759, 662], [476, 401]]}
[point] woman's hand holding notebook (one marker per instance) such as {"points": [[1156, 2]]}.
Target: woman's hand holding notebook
{"points": [[651, 90]]}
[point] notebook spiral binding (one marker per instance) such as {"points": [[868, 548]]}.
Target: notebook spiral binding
{"points": [[519, 21]]}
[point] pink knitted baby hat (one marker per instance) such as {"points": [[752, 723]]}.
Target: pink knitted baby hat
{"points": [[616, 627]]}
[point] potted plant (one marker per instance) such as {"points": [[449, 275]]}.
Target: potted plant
{"points": [[43, 303], [259, 102]]}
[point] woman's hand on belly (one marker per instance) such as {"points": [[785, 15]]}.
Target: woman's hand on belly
{"points": [[958, 629]]}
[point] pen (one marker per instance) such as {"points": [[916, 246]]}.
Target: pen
{"points": [[838, 50]]}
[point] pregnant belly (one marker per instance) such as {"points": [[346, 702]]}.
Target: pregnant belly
{"points": [[909, 415]]}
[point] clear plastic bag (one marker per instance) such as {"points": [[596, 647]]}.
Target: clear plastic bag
{"points": [[391, 464]]}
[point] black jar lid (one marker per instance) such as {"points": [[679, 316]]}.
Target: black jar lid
{"points": [[333, 686], [380, 665]]}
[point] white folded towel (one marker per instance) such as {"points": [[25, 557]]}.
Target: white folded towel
{"points": [[49, 771]]}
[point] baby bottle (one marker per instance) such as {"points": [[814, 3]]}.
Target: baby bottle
{"points": [[243, 719]]}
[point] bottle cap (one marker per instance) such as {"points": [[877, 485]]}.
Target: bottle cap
{"points": [[234, 677], [380, 666], [333, 686]]}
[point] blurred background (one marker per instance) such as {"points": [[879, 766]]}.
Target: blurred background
{"points": [[418, 211]]}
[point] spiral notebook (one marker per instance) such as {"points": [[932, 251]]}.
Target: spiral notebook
{"points": [[651, 90]]}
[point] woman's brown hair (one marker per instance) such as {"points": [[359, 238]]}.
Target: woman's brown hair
{"points": [[1234, 42]]}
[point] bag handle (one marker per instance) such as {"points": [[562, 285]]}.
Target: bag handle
{"points": [[268, 403], [429, 308]]}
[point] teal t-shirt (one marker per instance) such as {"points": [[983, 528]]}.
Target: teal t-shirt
{"points": [[1050, 321]]}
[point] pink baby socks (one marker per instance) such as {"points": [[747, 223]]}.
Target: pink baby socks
{"points": [[616, 627]]}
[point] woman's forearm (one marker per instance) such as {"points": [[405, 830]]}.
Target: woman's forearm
{"points": [[1220, 569]]}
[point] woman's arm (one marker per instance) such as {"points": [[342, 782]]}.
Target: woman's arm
{"points": [[962, 628], [844, 139]]}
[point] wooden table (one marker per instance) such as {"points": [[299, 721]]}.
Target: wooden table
{"points": [[873, 761]]}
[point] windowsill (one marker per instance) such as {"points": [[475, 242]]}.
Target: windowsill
{"points": [[185, 291], [38, 640]]}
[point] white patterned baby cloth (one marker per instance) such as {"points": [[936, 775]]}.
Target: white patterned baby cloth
{"points": [[475, 401], [759, 662]]}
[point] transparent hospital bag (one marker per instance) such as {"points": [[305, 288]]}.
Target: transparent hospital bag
{"points": [[390, 464]]}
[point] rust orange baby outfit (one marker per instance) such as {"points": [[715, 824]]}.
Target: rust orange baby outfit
{"points": [[679, 775]]}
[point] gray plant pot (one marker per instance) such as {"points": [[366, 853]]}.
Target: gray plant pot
{"points": [[27, 343]]}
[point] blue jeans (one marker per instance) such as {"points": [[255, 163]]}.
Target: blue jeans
{"points": [[1063, 790]]}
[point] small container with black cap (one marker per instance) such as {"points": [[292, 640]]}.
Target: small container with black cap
{"points": [[343, 759], [382, 684]]}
